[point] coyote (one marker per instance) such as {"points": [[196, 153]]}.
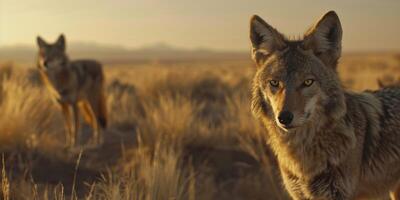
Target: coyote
{"points": [[330, 143], [73, 84]]}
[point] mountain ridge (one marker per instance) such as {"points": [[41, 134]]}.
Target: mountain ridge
{"points": [[111, 53]]}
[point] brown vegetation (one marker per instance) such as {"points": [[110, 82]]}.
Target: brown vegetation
{"points": [[177, 131]]}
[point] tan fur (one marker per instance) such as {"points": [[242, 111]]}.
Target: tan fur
{"points": [[78, 86], [339, 144]]}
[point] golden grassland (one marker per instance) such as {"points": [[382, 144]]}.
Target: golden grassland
{"points": [[179, 130]]}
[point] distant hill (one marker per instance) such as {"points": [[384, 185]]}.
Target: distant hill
{"points": [[119, 54]]}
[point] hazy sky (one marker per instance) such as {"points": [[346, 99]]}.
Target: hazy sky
{"points": [[367, 24]]}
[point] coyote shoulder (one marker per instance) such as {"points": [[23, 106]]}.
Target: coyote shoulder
{"points": [[330, 143], [76, 85]]}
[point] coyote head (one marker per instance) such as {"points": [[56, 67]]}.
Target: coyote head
{"points": [[296, 80], [52, 57]]}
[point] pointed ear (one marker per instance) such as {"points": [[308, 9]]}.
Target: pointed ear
{"points": [[40, 42], [61, 42], [264, 39], [325, 39]]}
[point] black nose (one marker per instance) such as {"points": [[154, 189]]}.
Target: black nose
{"points": [[45, 63], [285, 117]]}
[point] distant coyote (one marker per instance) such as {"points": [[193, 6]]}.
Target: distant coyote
{"points": [[74, 84], [330, 143]]}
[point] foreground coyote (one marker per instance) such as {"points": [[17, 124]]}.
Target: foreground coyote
{"points": [[74, 84], [330, 143]]}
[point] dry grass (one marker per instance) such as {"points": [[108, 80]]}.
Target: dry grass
{"points": [[177, 131]]}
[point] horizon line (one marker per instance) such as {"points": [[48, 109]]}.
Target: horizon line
{"points": [[170, 46]]}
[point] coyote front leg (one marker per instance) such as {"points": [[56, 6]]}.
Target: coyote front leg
{"points": [[395, 193], [76, 122], [92, 120], [69, 139]]}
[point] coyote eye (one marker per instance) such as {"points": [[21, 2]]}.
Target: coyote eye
{"points": [[274, 83], [308, 82]]}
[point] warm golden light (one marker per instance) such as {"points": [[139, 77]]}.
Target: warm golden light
{"points": [[368, 25]]}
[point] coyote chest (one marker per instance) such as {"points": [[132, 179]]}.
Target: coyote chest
{"points": [[72, 83], [58, 84]]}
